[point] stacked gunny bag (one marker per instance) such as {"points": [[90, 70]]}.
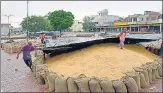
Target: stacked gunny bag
{"points": [[15, 47], [134, 81]]}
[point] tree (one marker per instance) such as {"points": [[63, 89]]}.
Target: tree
{"points": [[61, 19], [36, 23], [88, 24]]}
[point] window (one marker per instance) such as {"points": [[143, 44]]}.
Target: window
{"points": [[134, 19], [147, 18], [141, 19]]}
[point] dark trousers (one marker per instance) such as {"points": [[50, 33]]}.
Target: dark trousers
{"points": [[28, 63]]}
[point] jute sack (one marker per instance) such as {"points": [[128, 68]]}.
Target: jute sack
{"points": [[41, 67], [72, 87], [136, 77], [106, 85], [40, 78], [130, 84], [60, 84], [46, 80], [143, 82], [149, 69], [94, 85], [82, 83], [51, 76], [159, 68], [159, 60], [152, 71], [119, 86], [144, 72], [36, 62], [155, 72]]}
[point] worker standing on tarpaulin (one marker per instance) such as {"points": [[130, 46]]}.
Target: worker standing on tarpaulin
{"points": [[42, 36], [122, 37]]}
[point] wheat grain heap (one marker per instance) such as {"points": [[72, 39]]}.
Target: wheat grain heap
{"points": [[104, 60]]}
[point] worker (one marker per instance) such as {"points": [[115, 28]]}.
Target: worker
{"points": [[122, 37], [26, 54], [42, 36]]}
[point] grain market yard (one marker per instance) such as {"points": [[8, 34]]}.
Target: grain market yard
{"points": [[104, 60], [16, 76]]}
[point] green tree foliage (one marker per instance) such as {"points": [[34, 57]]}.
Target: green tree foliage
{"points": [[61, 19], [88, 24], [36, 23]]}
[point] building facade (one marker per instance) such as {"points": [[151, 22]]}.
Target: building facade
{"points": [[77, 26], [150, 21], [5, 29], [103, 21]]}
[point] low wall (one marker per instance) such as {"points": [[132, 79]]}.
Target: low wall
{"points": [[134, 81]]}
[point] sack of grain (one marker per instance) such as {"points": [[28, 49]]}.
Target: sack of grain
{"points": [[60, 84], [34, 70], [136, 77], [40, 79], [38, 53], [149, 70], [150, 74], [51, 76], [144, 72], [157, 74], [143, 82], [46, 80], [159, 60], [130, 84], [153, 73], [119, 86], [72, 87], [106, 85], [38, 60], [160, 70], [42, 69], [94, 85], [82, 83]]}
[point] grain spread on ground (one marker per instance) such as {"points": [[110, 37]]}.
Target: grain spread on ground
{"points": [[104, 60]]}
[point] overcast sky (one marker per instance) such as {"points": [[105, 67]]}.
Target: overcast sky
{"points": [[78, 8]]}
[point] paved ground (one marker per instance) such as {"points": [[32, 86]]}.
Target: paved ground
{"points": [[16, 77]]}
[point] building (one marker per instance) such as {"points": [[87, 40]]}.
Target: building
{"points": [[16, 31], [103, 21], [5, 28], [149, 21], [77, 26]]}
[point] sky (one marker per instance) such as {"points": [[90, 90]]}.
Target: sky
{"points": [[79, 8]]}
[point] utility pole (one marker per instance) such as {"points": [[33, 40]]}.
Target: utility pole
{"points": [[8, 17], [27, 19]]}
